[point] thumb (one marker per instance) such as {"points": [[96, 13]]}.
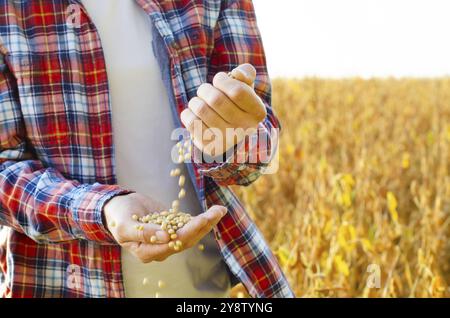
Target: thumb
{"points": [[245, 73]]}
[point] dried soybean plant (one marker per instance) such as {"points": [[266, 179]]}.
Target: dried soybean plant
{"points": [[363, 189]]}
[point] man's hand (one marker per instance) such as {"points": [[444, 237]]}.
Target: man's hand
{"points": [[119, 213], [229, 102]]}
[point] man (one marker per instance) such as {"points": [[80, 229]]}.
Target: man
{"points": [[76, 73]]}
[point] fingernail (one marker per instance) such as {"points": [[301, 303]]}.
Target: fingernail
{"points": [[243, 72], [224, 76]]}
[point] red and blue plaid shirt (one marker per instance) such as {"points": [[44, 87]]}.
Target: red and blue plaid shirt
{"points": [[56, 149]]}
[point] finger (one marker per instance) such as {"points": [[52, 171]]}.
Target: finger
{"points": [[197, 129], [241, 94], [212, 222], [191, 229], [140, 232], [245, 73], [207, 114], [225, 107], [149, 252], [154, 252], [153, 230], [200, 225], [193, 124]]}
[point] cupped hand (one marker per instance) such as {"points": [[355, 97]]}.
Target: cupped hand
{"points": [[136, 237]]}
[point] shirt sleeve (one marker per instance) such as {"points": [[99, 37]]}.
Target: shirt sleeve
{"points": [[36, 200], [238, 41]]}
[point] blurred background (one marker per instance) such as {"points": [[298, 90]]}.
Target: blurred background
{"points": [[362, 197]]}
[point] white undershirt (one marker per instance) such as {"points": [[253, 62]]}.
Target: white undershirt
{"points": [[142, 126]]}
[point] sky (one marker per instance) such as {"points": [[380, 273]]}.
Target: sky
{"points": [[367, 38]]}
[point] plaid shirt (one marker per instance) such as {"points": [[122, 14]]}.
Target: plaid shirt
{"points": [[56, 149]]}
